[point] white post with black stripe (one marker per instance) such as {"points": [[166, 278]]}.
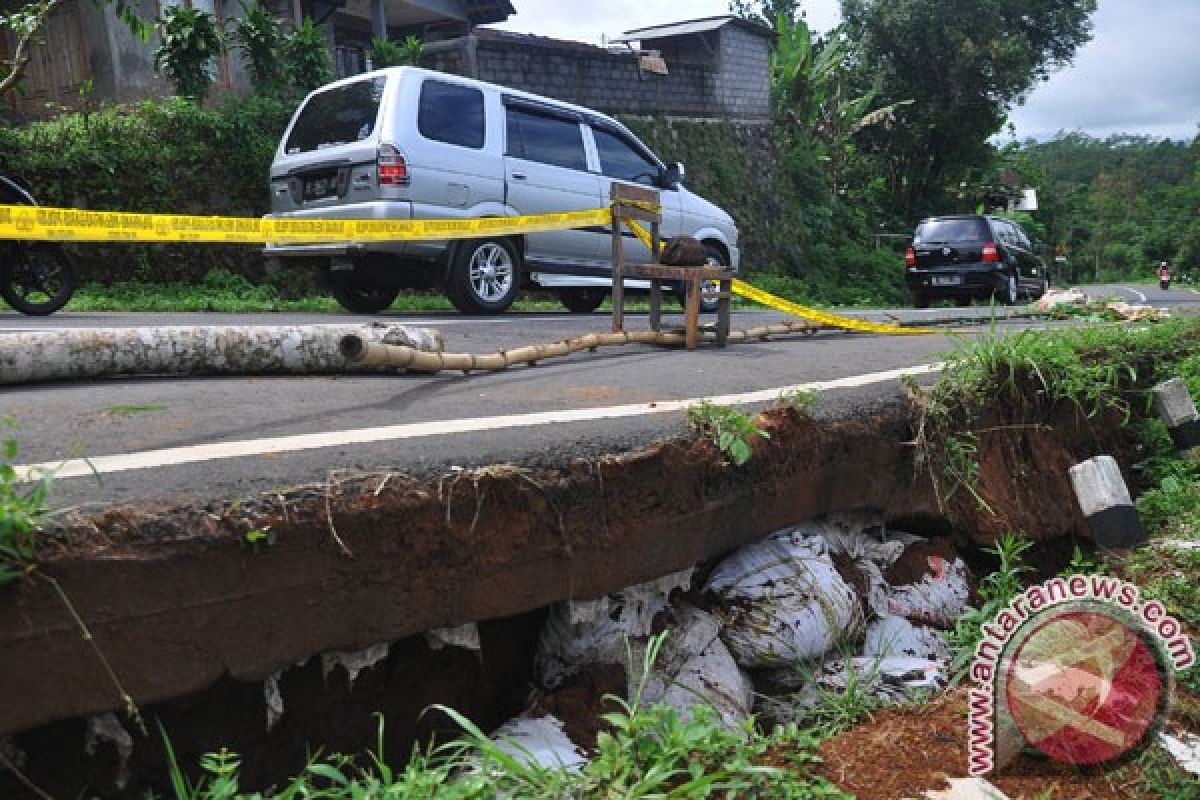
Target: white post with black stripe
{"points": [[1104, 498], [1176, 409]]}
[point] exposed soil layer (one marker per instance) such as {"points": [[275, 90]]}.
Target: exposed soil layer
{"points": [[902, 753], [321, 709], [582, 699], [180, 600]]}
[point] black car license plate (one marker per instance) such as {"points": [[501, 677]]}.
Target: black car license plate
{"points": [[947, 280]]}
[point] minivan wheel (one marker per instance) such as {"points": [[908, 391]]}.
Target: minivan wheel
{"points": [[485, 277], [716, 258], [582, 301], [364, 299]]}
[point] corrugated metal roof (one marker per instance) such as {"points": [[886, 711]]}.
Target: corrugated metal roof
{"points": [[686, 27]]}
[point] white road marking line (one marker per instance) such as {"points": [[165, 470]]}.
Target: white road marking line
{"points": [[1140, 296], [216, 451]]}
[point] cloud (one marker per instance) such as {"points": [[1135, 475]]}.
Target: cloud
{"points": [[1137, 75]]}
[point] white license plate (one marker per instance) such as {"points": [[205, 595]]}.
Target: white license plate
{"points": [[947, 280]]}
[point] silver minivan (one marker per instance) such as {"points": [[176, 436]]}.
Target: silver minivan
{"points": [[408, 143]]}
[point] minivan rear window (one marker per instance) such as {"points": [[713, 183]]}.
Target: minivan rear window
{"points": [[971, 229], [337, 116]]}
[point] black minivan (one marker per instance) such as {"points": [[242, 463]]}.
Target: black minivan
{"points": [[972, 256]]}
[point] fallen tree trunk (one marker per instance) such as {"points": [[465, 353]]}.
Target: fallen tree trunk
{"points": [[195, 350], [360, 352]]}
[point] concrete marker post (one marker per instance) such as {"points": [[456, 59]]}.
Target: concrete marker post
{"points": [[1178, 412], [1104, 498]]}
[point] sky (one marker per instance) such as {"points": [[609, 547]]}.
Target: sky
{"points": [[1140, 74]]}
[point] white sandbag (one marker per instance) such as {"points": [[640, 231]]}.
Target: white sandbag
{"points": [[897, 637], [888, 681], [595, 632], [783, 601], [871, 557], [695, 667], [541, 741]]}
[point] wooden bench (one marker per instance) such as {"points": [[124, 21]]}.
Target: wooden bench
{"points": [[636, 203]]}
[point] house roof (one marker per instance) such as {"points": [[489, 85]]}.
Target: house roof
{"points": [[482, 12], [702, 25]]}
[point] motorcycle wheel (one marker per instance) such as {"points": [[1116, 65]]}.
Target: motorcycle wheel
{"points": [[37, 279]]}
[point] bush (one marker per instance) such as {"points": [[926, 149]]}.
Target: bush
{"points": [[165, 156]]}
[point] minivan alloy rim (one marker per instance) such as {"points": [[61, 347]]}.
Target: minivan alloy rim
{"points": [[491, 272]]}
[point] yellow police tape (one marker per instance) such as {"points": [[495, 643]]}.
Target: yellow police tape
{"points": [[41, 223], [769, 300]]}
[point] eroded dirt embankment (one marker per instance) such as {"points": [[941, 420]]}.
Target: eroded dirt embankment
{"points": [[183, 600]]}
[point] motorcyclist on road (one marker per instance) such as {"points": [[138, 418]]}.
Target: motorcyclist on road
{"points": [[1164, 276]]}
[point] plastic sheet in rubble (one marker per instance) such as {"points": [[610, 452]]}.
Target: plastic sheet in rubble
{"points": [[596, 631], [695, 666], [541, 741], [783, 601], [1184, 748]]}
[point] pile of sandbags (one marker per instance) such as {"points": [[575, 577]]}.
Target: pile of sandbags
{"points": [[813, 608]]}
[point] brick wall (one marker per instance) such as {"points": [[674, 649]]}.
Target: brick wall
{"points": [[743, 85], [731, 83]]}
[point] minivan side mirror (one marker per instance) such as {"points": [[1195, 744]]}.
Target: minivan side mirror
{"points": [[674, 176]]}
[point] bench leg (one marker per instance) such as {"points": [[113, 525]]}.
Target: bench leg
{"points": [[656, 305], [693, 312], [724, 312]]}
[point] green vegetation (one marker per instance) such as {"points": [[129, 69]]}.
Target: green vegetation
{"points": [[798, 399], [996, 590], [647, 752], [23, 509], [1116, 206], [729, 429], [129, 410], [1160, 776], [189, 43], [388, 53]]}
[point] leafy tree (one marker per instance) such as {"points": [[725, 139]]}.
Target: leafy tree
{"points": [[812, 96], [965, 63], [765, 12], [26, 22], [309, 62], [259, 36], [190, 42]]}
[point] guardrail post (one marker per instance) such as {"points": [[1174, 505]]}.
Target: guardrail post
{"points": [[1177, 410], [1104, 498]]}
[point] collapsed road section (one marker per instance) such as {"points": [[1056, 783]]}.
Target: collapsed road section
{"points": [[208, 619]]}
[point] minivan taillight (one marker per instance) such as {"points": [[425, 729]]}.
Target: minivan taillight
{"points": [[990, 253], [910, 258], [390, 166]]}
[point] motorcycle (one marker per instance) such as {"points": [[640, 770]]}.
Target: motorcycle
{"points": [[36, 278]]}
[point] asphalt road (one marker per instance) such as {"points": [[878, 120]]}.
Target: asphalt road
{"points": [[211, 439]]}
